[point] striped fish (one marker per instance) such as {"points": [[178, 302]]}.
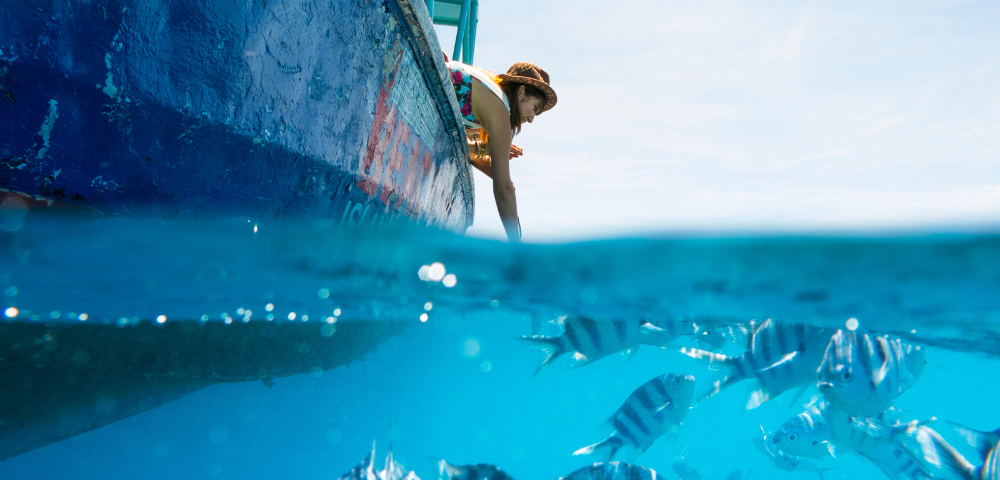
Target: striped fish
{"points": [[364, 470], [862, 374], [482, 471], [592, 339], [612, 471], [655, 409], [894, 449], [780, 356], [805, 435], [784, 461], [986, 444]]}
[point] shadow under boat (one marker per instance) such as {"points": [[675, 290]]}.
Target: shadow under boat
{"points": [[62, 379]]}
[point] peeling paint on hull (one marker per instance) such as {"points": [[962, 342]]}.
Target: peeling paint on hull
{"points": [[320, 110]]}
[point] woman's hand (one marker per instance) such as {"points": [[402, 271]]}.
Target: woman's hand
{"points": [[515, 151]]}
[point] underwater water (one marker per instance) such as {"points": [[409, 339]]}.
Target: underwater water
{"points": [[451, 380]]}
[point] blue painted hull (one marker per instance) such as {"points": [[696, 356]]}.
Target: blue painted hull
{"points": [[320, 110]]}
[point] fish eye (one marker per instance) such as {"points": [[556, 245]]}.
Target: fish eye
{"points": [[792, 438], [846, 375], [676, 381]]}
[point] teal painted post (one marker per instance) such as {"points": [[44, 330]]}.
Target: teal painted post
{"points": [[466, 51], [473, 23], [430, 9], [463, 20]]}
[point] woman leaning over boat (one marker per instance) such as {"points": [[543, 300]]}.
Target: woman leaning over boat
{"points": [[493, 109]]}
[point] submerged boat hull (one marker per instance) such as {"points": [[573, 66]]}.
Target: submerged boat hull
{"points": [[62, 379], [321, 110]]}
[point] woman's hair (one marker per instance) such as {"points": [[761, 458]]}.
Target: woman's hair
{"points": [[510, 90]]}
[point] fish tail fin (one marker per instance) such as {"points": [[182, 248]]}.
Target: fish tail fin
{"points": [[982, 442], [730, 370], [934, 447], [446, 471], [821, 471], [552, 347], [611, 444]]}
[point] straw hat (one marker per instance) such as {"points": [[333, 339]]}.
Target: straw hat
{"points": [[530, 74]]}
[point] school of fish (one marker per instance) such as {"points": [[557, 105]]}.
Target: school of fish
{"points": [[859, 375]]}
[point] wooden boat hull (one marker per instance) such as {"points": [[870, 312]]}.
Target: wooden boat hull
{"points": [[320, 110]]}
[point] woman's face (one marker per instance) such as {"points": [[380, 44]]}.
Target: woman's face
{"points": [[530, 106]]}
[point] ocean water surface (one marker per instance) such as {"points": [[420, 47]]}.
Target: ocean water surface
{"points": [[240, 319]]}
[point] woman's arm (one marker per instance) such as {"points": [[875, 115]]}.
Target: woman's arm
{"points": [[483, 164], [493, 116]]}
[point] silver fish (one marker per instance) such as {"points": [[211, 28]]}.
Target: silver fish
{"points": [[780, 356], [592, 339], [612, 471], [683, 469], [986, 444], [364, 470], [655, 409], [805, 435], [896, 449], [783, 460], [482, 471], [862, 374]]}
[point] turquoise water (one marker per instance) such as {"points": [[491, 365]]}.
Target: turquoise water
{"points": [[458, 385]]}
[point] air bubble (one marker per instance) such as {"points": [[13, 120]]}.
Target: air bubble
{"points": [[852, 324], [449, 280], [471, 347], [436, 272]]}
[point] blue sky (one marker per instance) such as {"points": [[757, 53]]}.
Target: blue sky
{"points": [[776, 116]]}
